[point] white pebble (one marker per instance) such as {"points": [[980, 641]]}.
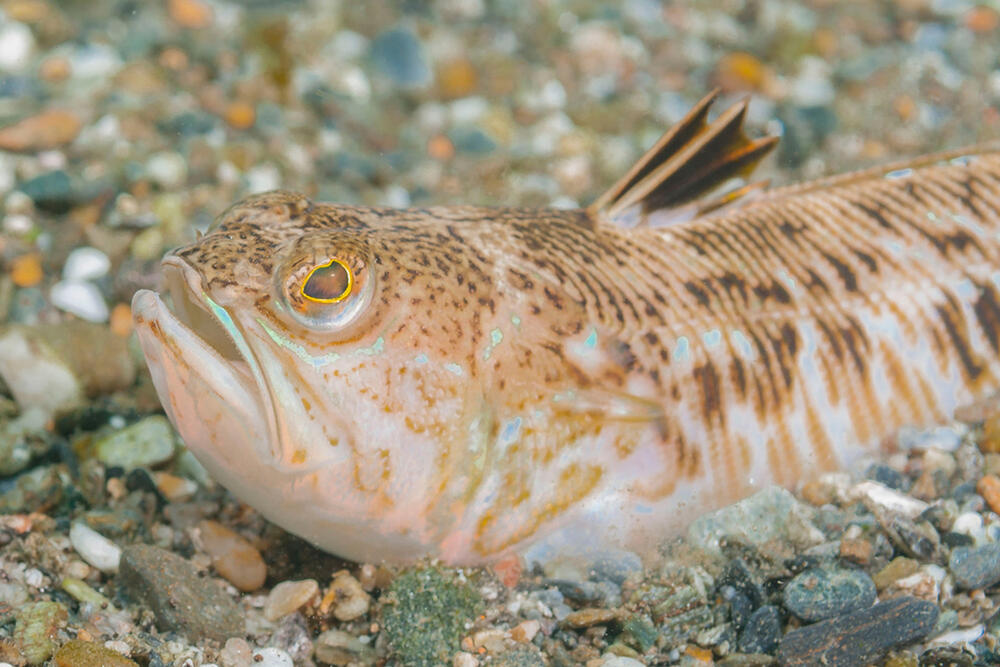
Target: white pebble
{"points": [[272, 657], [263, 178], [969, 523], [963, 636], [33, 577], [16, 44], [86, 263], [888, 499], [167, 169], [94, 548], [81, 299]]}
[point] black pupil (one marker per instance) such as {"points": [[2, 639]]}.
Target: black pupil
{"points": [[327, 282]]}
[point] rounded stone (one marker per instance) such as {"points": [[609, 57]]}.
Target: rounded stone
{"points": [[233, 557], [822, 593]]}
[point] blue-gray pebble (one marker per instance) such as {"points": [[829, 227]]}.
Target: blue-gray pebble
{"points": [[975, 567], [762, 633], [398, 54], [822, 593]]}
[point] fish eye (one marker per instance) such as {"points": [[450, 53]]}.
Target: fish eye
{"points": [[322, 290], [328, 283]]}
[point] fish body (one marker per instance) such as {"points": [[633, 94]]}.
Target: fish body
{"points": [[467, 382]]}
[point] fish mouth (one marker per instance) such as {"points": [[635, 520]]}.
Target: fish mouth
{"points": [[199, 358]]}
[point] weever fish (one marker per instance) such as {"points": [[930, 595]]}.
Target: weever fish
{"points": [[466, 382]]}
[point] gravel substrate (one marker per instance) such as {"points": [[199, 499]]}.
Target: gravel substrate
{"points": [[125, 127]]}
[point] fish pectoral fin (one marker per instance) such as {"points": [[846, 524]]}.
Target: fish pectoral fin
{"points": [[609, 405], [690, 160]]}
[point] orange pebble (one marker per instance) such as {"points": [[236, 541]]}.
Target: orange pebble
{"points": [[989, 488], [440, 147], [982, 19], [190, 13], [740, 71], [240, 115], [121, 320], [173, 59], [509, 570], [457, 78], [26, 270], [698, 653], [54, 69]]}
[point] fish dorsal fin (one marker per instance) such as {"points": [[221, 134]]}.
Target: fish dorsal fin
{"points": [[691, 159]]}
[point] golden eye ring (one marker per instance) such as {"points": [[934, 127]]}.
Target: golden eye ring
{"points": [[328, 283]]}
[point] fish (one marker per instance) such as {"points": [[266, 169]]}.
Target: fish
{"points": [[470, 383]]}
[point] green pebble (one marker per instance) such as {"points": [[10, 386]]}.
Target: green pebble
{"points": [[145, 443], [36, 627], [426, 616], [84, 593]]}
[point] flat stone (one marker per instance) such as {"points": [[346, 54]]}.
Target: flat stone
{"points": [[44, 131], [288, 596], [77, 653], [770, 515], [821, 593], [588, 617], [860, 638], [146, 443], [975, 567], [181, 600], [336, 647]]}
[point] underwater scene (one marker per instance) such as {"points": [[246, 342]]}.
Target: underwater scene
{"points": [[486, 332]]}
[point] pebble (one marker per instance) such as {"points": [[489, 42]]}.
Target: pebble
{"points": [[233, 556], [525, 631], [16, 44], [350, 601], [35, 629], [193, 14], [44, 131], [179, 597], [398, 54], [167, 169], [54, 191], [173, 487], [770, 515], [26, 270], [272, 657], [989, 488], [586, 618], [86, 263], [288, 596], [79, 298], [880, 498], [146, 443], [76, 653], [821, 593], [898, 568], [336, 647], [39, 377], [975, 567], [236, 652], [94, 548], [762, 632], [860, 638]]}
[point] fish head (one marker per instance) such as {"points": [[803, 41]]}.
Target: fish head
{"points": [[291, 362]]}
